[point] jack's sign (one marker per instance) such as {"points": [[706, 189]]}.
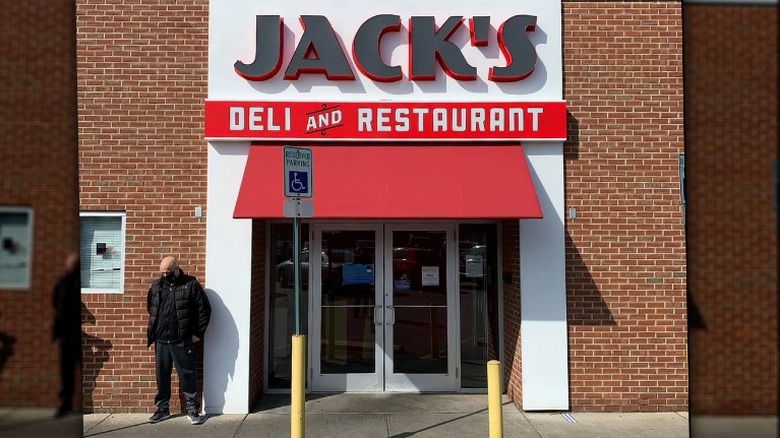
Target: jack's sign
{"points": [[319, 50], [453, 71]]}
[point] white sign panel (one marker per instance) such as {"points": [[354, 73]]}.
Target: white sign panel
{"points": [[297, 208], [365, 48]]}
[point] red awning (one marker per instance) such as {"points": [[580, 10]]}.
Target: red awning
{"points": [[395, 182]]}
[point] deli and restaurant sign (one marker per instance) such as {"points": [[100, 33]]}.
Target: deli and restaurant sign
{"points": [[386, 120], [452, 71]]}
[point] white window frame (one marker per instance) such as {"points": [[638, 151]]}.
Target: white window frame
{"points": [[30, 216], [123, 216]]}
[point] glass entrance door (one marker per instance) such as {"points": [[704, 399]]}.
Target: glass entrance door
{"points": [[418, 294], [383, 314], [347, 309]]}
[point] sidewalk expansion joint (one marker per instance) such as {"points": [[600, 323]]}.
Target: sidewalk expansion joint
{"points": [[568, 417]]}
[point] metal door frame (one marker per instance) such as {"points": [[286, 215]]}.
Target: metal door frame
{"points": [[383, 379]]}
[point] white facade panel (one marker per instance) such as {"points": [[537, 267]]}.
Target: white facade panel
{"points": [[228, 285], [544, 339]]}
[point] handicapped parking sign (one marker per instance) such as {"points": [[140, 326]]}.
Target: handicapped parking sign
{"points": [[298, 172]]}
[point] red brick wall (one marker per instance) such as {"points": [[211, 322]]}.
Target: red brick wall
{"points": [[141, 86], [625, 251], [731, 136], [257, 312], [38, 162], [510, 263], [142, 82]]}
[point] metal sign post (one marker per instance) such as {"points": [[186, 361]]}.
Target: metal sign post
{"points": [[296, 209], [297, 185], [297, 272]]}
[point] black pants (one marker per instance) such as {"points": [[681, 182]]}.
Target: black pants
{"points": [[181, 355], [70, 355]]}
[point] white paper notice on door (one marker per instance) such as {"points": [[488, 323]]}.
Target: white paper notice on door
{"points": [[430, 276]]}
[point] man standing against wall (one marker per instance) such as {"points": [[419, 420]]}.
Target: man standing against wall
{"points": [[67, 329], [179, 313]]}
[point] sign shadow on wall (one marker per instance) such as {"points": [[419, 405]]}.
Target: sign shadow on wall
{"points": [[585, 305], [223, 334], [572, 144], [95, 353]]}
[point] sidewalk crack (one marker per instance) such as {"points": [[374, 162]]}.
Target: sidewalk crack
{"points": [[240, 424], [531, 423]]}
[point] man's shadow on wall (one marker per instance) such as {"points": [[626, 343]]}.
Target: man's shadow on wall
{"points": [[95, 353], [222, 343]]}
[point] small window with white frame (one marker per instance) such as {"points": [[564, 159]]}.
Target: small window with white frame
{"points": [[102, 251], [15, 247]]}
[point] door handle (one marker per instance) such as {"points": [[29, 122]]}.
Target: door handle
{"points": [[392, 312], [377, 311]]}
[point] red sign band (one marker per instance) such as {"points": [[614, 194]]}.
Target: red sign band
{"points": [[386, 120]]}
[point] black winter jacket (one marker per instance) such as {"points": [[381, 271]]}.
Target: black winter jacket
{"points": [[67, 305], [192, 307]]}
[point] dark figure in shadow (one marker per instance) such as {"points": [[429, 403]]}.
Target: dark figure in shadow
{"points": [[695, 318], [6, 349], [67, 329]]}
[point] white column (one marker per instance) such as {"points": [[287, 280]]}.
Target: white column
{"points": [[228, 284], [543, 335]]}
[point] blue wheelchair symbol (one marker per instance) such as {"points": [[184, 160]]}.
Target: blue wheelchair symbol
{"points": [[297, 181]]}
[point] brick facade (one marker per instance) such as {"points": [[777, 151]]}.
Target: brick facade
{"points": [[38, 160], [625, 251], [512, 362], [141, 87], [257, 312], [731, 146], [142, 83]]}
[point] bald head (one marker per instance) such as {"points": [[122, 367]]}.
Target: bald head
{"points": [[169, 262], [71, 261], [169, 267]]}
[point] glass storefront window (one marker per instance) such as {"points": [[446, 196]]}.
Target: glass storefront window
{"points": [[478, 266], [281, 315], [478, 295]]}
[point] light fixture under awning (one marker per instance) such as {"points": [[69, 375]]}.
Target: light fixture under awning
{"points": [[396, 182]]}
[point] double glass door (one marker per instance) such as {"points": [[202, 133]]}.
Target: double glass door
{"points": [[382, 308]]}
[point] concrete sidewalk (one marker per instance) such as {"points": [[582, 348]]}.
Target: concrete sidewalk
{"points": [[394, 415], [387, 415]]}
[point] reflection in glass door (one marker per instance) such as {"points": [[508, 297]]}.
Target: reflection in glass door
{"points": [[418, 299]]}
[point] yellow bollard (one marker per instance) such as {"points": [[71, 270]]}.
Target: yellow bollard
{"points": [[298, 387], [495, 415]]}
